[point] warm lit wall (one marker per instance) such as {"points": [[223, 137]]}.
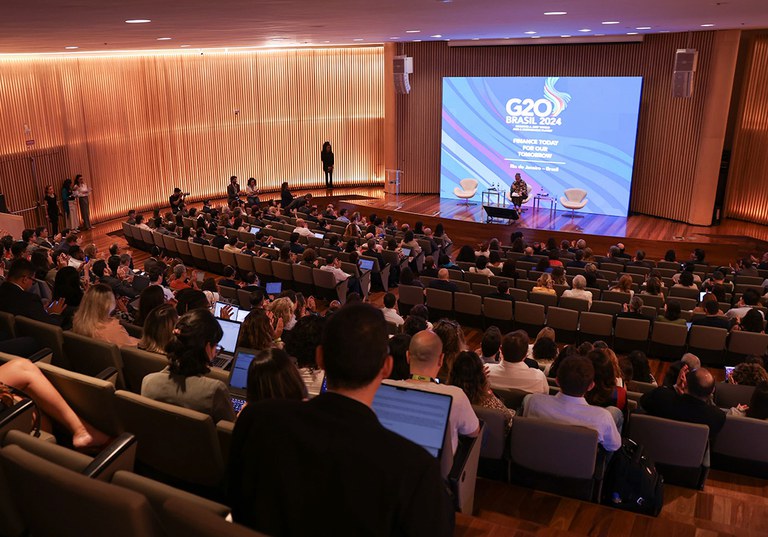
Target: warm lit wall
{"points": [[747, 192], [136, 126], [670, 130]]}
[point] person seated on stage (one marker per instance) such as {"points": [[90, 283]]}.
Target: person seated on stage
{"points": [[481, 267], [544, 285], [575, 376], [519, 190], [579, 290], [443, 282], [512, 371]]}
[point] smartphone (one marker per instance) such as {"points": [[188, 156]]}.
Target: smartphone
{"points": [[728, 373]]}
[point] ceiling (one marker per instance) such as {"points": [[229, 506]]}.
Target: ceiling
{"points": [[99, 25]]}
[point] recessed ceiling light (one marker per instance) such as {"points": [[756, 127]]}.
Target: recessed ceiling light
{"points": [[436, 36], [475, 39], [585, 30], [599, 35], [138, 21], [535, 37], [565, 36], [556, 13], [707, 25], [530, 33], [611, 22], [417, 40], [643, 28], [164, 38], [631, 33], [663, 31], [71, 48], [358, 39], [184, 46], [394, 38], [412, 31]]}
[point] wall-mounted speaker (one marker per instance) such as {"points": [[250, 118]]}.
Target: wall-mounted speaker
{"points": [[686, 61], [402, 67]]}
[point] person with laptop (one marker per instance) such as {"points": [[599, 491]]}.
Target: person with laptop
{"points": [[338, 477], [425, 358], [184, 382]]}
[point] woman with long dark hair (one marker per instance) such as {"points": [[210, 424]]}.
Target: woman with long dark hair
{"points": [[52, 209], [326, 156], [285, 195], [468, 374]]}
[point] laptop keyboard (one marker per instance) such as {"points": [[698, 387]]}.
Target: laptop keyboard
{"points": [[221, 361]]}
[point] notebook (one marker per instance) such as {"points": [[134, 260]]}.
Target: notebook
{"points": [[274, 288], [238, 377], [419, 416], [366, 264], [228, 342]]}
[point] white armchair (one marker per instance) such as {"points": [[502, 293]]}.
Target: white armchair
{"points": [[575, 198], [467, 190]]}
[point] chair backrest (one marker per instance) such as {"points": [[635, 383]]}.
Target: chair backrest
{"points": [[728, 395], [742, 342], [633, 329], [137, 364], [562, 319], [282, 271], [174, 441], [92, 399], [439, 300], [670, 442], [7, 324], [56, 501], [469, 184], [609, 308], [48, 335], [411, 294], [468, 304], [545, 299], [91, 356], [262, 266], [596, 324], [511, 397], [669, 334], [707, 337], [575, 194], [303, 274], [182, 517], [573, 303], [554, 448], [743, 438], [529, 313], [499, 309]]}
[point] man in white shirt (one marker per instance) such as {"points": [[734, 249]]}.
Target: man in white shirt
{"points": [[390, 310], [425, 357], [749, 299], [333, 265], [512, 372], [575, 376], [302, 229]]}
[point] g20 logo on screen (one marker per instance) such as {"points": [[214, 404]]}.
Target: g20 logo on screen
{"points": [[544, 111]]}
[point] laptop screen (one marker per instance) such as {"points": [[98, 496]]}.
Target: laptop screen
{"points": [[221, 305], [231, 331], [241, 315], [255, 229], [274, 288], [701, 295], [319, 236], [238, 375], [406, 252], [417, 415], [366, 264]]}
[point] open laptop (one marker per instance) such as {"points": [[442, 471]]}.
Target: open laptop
{"points": [[366, 264], [218, 306], [319, 235], [238, 377], [255, 229], [406, 252], [418, 415], [228, 342], [274, 288]]}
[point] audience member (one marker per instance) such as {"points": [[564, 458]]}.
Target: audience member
{"points": [[16, 299], [301, 343], [490, 346], [398, 349], [443, 282], [390, 310], [158, 328], [757, 407], [272, 375], [94, 317], [579, 290], [328, 441], [469, 375], [512, 372]]}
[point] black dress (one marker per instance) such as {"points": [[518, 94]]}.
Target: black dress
{"points": [[327, 158], [53, 213]]}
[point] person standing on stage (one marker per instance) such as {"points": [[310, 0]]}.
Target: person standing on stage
{"points": [[83, 193], [70, 205], [233, 190], [520, 188], [177, 200], [326, 155], [252, 192], [52, 209]]}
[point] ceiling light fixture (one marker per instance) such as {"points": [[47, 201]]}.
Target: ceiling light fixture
{"points": [[530, 33], [138, 21], [565, 36], [610, 22], [556, 13], [709, 25], [394, 38], [585, 30], [184, 46], [358, 39], [412, 31], [643, 28], [631, 33], [71, 48], [164, 38], [535, 37], [436, 36]]}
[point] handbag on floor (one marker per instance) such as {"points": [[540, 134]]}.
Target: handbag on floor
{"points": [[632, 482]]}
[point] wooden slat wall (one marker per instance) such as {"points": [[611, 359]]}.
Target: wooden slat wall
{"points": [[136, 126], [747, 191], [669, 128]]}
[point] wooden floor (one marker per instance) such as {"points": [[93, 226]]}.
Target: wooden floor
{"points": [[730, 504]]}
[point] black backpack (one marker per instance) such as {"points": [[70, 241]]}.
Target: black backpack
{"points": [[632, 482]]}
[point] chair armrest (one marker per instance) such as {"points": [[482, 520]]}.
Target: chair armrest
{"points": [[19, 416], [118, 455], [43, 355], [109, 374]]}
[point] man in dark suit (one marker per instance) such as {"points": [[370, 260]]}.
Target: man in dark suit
{"points": [[105, 276], [220, 240], [712, 319], [578, 260], [336, 448], [528, 257], [639, 260], [502, 292], [200, 237], [296, 248], [16, 299], [443, 282], [688, 401]]}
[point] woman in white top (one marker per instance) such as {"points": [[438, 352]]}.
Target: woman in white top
{"points": [[481, 266], [252, 192], [82, 193], [579, 289]]}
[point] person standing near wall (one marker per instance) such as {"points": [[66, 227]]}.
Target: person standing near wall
{"points": [[52, 209], [83, 193], [70, 205], [326, 155]]}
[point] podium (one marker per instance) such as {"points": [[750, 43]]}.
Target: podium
{"points": [[392, 181]]}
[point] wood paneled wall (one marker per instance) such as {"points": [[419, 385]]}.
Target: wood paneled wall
{"points": [[747, 192], [136, 126], [669, 128]]}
